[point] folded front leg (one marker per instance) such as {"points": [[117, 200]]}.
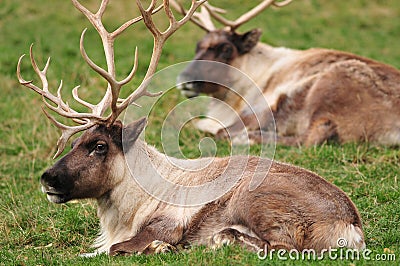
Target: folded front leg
{"points": [[159, 235]]}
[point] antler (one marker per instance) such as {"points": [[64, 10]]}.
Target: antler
{"points": [[203, 18], [159, 38], [86, 120], [246, 16], [110, 99]]}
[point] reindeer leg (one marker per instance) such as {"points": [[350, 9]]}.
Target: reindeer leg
{"points": [[267, 137], [159, 236], [321, 130], [230, 236]]}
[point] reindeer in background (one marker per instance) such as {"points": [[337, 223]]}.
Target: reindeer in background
{"points": [[150, 203], [314, 95]]}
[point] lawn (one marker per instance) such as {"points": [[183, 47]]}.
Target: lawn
{"points": [[34, 231]]}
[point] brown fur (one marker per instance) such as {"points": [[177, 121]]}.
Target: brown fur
{"points": [[315, 95], [292, 208]]}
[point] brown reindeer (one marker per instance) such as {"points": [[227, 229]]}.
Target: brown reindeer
{"points": [[314, 95], [150, 203]]}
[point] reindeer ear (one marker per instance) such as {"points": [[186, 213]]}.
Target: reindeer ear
{"points": [[131, 132], [245, 42]]}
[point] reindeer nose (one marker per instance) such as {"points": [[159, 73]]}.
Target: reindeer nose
{"points": [[54, 178], [181, 81], [186, 86], [48, 178]]}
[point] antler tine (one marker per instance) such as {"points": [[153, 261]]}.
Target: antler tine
{"points": [[201, 19], [282, 3], [42, 75], [204, 18], [247, 16], [133, 21], [79, 100], [67, 132]]}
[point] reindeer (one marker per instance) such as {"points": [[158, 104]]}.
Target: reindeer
{"points": [[315, 95], [151, 203]]}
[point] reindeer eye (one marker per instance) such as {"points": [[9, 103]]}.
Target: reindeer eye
{"points": [[101, 147], [225, 51]]}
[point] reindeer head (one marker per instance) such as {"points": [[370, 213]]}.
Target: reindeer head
{"points": [[94, 165], [95, 162], [218, 45]]}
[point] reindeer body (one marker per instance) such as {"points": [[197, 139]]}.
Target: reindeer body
{"points": [[292, 208], [314, 95]]}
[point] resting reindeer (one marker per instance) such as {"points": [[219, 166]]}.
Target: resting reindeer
{"points": [[290, 208], [315, 95]]}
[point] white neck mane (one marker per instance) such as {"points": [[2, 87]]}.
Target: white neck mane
{"points": [[124, 209]]}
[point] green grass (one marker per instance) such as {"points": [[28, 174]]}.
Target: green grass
{"points": [[36, 232]]}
